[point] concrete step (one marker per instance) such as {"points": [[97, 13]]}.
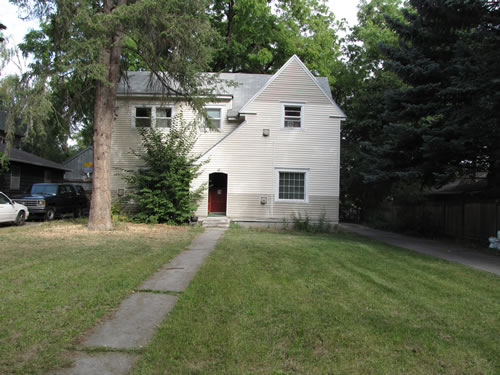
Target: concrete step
{"points": [[216, 222]]}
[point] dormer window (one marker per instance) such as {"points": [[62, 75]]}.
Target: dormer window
{"points": [[292, 116], [152, 116], [143, 117], [163, 117]]}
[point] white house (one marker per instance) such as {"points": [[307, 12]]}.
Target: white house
{"points": [[276, 152]]}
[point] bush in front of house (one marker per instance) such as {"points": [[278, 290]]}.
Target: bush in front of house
{"points": [[162, 187]]}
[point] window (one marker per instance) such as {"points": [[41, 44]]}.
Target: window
{"points": [[293, 116], [15, 177], [157, 116], [292, 185], [163, 117], [214, 114], [143, 117], [47, 175]]}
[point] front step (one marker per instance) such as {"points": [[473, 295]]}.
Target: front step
{"points": [[215, 222]]}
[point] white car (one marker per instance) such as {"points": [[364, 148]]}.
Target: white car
{"points": [[12, 212]]}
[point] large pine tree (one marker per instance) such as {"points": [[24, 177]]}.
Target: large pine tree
{"points": [[91, 41], [444, 124]]}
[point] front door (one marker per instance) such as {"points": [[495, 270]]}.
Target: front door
{"points": [[217, 193]]}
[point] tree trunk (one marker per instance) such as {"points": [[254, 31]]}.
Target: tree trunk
{"points": [[104, 108]]}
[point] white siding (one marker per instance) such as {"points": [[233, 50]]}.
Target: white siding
{"points": [[250, 159], [126, 137]]}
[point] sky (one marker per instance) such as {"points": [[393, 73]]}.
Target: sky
{"points": [[17, 28]]}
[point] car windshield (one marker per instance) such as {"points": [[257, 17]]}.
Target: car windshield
{"points": [[44, 189]]}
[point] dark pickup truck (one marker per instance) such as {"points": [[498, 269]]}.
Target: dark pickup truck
{"points": [[50, 200]]}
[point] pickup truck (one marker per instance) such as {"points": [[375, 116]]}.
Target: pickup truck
{"points": [[49, 200]]}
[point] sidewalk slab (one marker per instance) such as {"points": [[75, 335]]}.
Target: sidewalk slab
{"points": [[207, 240], [100, 363], [176, 276], [439, 249], [134, 323]]}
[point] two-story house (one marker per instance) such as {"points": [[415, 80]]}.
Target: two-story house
{"points": [[276, 151]]}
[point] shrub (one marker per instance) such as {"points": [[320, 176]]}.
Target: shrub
{"points": [[162, 187], [305, 224]]}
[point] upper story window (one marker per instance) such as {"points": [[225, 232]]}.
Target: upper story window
{"points": [[152, 116], [143, 117], [214, 114], [292, 185], [293, 116], [163, 117]]}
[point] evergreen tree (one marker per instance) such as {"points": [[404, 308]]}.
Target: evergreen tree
{"points": [[444, 124], [85, 41]]}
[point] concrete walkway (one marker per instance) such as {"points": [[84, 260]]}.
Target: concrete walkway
{"points": [[134, 324], [440, 249]]}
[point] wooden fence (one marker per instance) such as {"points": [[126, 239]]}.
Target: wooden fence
{"points": [[467, 218]]}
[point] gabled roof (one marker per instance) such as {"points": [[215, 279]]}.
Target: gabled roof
{"points": [[21, 156], [66, 162], [247, 85], [319, 81]]}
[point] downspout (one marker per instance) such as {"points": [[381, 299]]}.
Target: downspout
{"points": [[273, 179]]}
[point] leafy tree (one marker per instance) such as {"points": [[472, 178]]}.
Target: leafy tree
{"points": [[85, 42], [163, 186], [259, 36], [444, 123]]}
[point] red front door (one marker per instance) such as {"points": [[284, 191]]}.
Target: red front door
{"points": [[217, 193]]}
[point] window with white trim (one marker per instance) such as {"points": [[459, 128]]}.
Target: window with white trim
{"points": [[214, 115], [292, 185], [143, 117], [292, 115], [149, 116], [163, 117]]}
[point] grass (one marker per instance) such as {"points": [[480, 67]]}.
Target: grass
{"points": [[293, 303], [57, 280]]}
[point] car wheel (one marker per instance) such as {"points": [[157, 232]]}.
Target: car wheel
{"points": [[77, 213], [50, 214], [21, 218]]}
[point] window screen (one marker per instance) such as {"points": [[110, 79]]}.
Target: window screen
{"points": [[163, 117]]}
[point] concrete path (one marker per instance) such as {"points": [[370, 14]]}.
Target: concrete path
{"points": [[134, 324], [440, 249]]}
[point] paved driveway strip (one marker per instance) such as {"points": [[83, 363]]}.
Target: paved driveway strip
{"points": [[439, 249], [134, 324]]}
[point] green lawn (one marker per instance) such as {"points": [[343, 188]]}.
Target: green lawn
{"points": [[58, 279], [283, 303]]}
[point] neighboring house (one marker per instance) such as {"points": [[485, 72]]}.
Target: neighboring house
{"points": [[26, 169], [81, 166], [276, 154]]}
